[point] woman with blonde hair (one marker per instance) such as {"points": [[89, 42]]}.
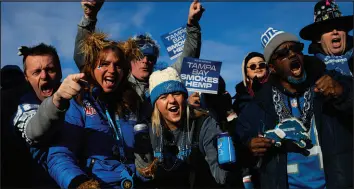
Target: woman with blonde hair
{"points": [[184, 147], [95, 146]]}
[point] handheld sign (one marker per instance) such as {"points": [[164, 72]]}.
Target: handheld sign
{"points": [[201, 75], [174, 42]]}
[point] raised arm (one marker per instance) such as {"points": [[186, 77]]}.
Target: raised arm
{"points": [[193, 42], [86, 25]]}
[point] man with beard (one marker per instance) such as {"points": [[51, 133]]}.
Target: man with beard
{"points": [[141, 69], [294, 107], [331, 42], [41, 111]]}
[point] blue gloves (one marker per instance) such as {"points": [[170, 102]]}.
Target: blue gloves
{"points": [[289, 129]]}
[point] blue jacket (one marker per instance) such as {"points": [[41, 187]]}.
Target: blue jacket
{"points": [[86, 147], [335, 140]]}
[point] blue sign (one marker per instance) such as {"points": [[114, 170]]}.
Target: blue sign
{"points": [[201, 75], [174, 42]]}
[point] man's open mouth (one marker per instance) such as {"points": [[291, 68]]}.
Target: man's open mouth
{"points": [[336, 42], [295, 68], [47, 89]]}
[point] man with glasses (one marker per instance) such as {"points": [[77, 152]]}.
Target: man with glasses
{"points": [[295, 106]]}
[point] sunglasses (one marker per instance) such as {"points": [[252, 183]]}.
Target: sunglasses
{"points": [[296, 48], [261, 65]]}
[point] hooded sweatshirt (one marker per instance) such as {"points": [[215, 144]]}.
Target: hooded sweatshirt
{"points": [[245, 92]]}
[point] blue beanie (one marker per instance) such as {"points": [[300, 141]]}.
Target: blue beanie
{"points": [[164, 82]]}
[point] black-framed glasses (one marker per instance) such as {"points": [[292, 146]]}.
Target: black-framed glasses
{"points": [[284, 52], [261, 65]]}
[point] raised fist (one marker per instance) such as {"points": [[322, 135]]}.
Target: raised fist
{"points": [[195, 12], [91, 8]]}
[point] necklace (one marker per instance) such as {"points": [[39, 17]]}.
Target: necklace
{"points": [[184, 148], [283, 112]]}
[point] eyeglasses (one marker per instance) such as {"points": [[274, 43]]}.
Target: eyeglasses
{"points": [[284, 52], [261, 65]]}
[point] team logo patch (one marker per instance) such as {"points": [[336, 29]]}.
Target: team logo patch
{"points": [[89, 110], [268, 35], [294, 103]]}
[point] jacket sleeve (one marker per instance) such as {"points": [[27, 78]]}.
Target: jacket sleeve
{"points": [[192, 46], [244, 130], [45, 122], [207, 137], [62, 161], [85, 27], [344, 102]]}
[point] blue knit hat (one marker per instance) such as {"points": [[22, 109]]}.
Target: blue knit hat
{"points": [[164, 82]]}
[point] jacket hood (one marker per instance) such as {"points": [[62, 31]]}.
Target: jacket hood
{"points": [[244, 64]]}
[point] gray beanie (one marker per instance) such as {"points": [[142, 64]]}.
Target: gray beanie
{"points": [[272, 39]]}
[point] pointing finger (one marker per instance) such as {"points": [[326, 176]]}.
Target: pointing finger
{"points": [[77, 77]]}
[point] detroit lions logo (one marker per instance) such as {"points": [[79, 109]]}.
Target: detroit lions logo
{"points": [[289, 129], [268, 35]]}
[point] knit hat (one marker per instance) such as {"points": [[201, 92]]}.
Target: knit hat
{"points": [[164, 82], [327, 17], [244, 64], [272, 39]]}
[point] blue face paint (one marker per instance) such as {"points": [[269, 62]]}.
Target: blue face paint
{"points": [[292, 80]]}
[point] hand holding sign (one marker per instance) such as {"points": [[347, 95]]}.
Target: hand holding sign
{"points": [[195, 12], [91, 8], [194, 99]]}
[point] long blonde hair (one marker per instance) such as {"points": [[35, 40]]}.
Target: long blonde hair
{"points": [[156, 119]]}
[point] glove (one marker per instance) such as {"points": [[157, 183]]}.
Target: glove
{"points": [[148, 171], [289, 129], [90, 184]]}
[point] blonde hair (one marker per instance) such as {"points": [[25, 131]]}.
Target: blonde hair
{"points": [[156, 120]]}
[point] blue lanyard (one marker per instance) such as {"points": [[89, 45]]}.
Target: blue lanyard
{"points": [[118, 133]]}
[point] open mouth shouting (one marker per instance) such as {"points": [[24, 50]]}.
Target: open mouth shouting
{"points": [[110, 81], [46, 89], [295, 67], [174, 110], [336, 42]]}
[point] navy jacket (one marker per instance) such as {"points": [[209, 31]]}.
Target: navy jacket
{"points": [[336, 141]]}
